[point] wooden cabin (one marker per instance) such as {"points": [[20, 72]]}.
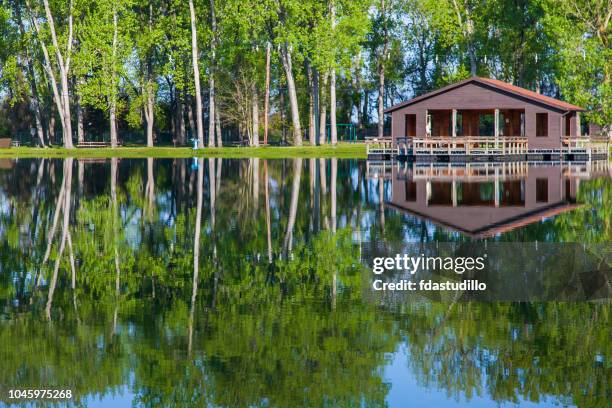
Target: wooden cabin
{"points": [[487, 118]]}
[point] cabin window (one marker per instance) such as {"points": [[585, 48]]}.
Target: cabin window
{"points": [[541, 190], [512, 193], [568, 191], [410, 130], [486, 124], [476, 194], [541, 124], [441, 193], [411, 190], [459, 124]]}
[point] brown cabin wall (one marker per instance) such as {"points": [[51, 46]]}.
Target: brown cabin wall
{"points": [[473, 96]]}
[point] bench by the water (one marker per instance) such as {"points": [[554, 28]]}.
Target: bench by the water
{"points": [[91, 144]]}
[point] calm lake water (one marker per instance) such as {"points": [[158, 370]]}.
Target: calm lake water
{"points": [[141, 282]]}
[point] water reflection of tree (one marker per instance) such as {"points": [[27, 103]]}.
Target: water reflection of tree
{"points": [[513, 351], [234, 328]]}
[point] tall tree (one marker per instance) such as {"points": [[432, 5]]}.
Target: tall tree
{"points": [[30, 71], [582, 70], [99, 63], [333, 129], [60, 66], [212, 100], [196, 75]]}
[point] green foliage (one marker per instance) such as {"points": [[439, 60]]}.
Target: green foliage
{"points": [[560, 48], [582, 61]]}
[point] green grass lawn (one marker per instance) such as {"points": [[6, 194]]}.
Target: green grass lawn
{"points": [[343, 150]]}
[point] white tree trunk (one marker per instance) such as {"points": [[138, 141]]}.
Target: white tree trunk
{"points": [[267, 94], [196, 249], [61, 99], [113, 99], [332, 109], [268, 224], [150, 189], [149, 113], [67, 197], [332, 84], [211, 111], [381, 96], [256, 184], [212, 105], [196, 75], [113, 124], [198, 222], [58, 208], [334, 176], [381, 71], [34, 99], [212, 191], [80, 126], [293, 102], [295, 194], [255, 114], [323, 113], [312, 136], [218, 123]]}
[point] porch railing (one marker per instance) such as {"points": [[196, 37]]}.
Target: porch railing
{"points": [[381, 146], [470, 145], [589, 145]]}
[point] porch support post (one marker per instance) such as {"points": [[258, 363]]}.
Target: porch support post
{"points": [[496, 130], [578, 124], [454, 128]]}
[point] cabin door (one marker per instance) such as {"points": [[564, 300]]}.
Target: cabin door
{"points": [[410, 125]]}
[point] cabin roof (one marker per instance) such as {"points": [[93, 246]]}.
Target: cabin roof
{"points": [[496, 85], [486, 229]]}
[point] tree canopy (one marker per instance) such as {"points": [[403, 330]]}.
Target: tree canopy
{"points": [[123, 70]]}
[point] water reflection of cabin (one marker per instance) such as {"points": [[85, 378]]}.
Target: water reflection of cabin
{"points": [[484, 199], [488, 118]]}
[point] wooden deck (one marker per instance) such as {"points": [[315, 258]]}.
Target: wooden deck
{"points": [[381, 148], [469, 145], [483, 148]]}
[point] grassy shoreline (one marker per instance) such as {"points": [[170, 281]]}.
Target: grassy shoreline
{"points": [[343, 150]]}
